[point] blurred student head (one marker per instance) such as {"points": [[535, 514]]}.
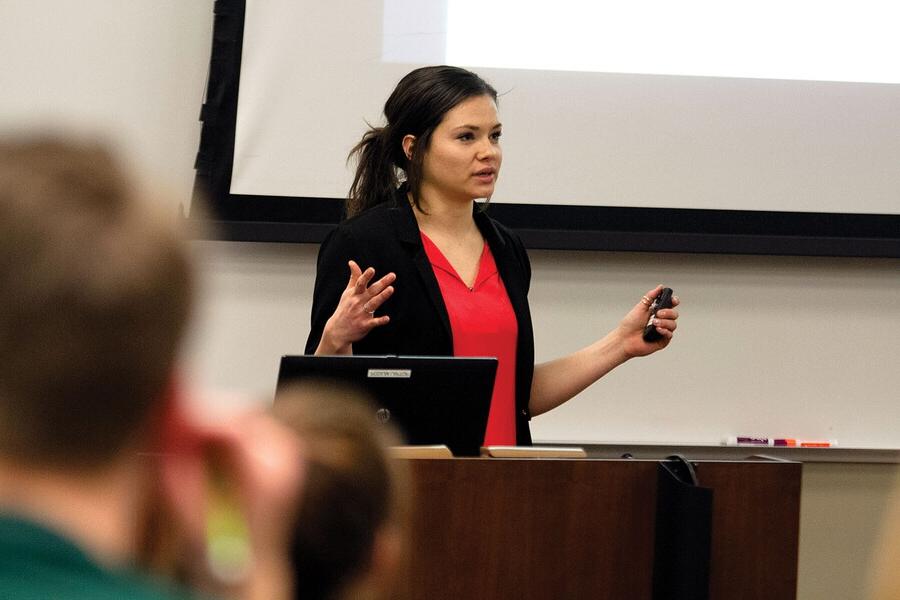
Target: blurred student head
{"points": [[350, 536], [96, 439], [95, 291]]}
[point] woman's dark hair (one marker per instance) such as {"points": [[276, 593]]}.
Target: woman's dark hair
{"points": [[416, 107]]}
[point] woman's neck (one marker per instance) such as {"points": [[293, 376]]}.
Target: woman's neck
{"points": [[444, 218]]}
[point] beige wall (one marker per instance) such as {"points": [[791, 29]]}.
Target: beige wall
{"points": [[135, 71], [842, 513], [765, 344]]}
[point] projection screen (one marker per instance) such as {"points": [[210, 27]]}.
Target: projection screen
{"points": [[765, 127]]}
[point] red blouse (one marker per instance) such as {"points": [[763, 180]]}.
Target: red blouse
{"points": [[483, 323]]}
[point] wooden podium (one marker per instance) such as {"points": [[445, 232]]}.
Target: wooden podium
{"points": [[547, 529]]}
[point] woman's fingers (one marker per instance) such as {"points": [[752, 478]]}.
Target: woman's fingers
{"points": [[652, 294], [379, 321], [647, 299], [365, 296], [667, 313], [378, 299], [354, 315], [667, 325], [362, 282], [374, 295], [355, 272], [665, 320], [381, 285]]}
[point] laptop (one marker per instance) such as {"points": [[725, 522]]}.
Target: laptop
{"points": [[430, 399]]}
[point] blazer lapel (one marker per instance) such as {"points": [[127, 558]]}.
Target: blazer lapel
{"points": [[408, 233], [507, 266]]}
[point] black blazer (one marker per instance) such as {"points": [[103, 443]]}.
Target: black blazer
{"points": [[386, 237]]}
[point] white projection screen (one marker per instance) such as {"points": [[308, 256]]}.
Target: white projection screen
{"points": [[711, 126]]}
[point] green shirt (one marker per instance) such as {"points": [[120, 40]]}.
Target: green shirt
{"points": [[38, 564]]}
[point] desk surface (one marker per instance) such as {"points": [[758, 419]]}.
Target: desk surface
{"points": [[710, 452]]}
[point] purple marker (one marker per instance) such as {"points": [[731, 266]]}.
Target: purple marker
{"points": [[747, 441]]}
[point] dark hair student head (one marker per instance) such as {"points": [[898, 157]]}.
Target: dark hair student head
{"points": [[350, 534], [416, 106]]}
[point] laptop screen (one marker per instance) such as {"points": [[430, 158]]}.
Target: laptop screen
{"points": [[431, 399]]}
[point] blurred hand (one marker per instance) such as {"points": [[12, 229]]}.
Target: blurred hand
{"points": [[251, 464]]}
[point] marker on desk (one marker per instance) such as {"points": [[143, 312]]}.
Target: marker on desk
{"points": [[778, 442], [817, 444], [784, 442], [747, 441], [794, 443]]}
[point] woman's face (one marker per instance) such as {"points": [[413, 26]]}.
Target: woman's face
{"points": [[463, 159]]}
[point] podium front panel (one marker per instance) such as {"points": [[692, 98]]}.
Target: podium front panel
{"points": [[554, 528]]}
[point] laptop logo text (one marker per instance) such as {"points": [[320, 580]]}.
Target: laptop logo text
{"points": [[389, 373]]}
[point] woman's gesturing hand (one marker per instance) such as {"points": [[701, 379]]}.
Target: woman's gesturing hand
{"points": [[354, 316], [631, 329]]}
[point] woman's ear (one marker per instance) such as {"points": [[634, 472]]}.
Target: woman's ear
{"points": [[409, 141]]}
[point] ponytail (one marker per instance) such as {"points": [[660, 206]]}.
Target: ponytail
{"points": [[376, 179]]}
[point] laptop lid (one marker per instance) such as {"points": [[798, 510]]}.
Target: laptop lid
{"points": [[431, 399]]}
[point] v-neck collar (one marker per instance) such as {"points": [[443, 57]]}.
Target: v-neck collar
{"points": [[486, 267], [407, 231]]}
